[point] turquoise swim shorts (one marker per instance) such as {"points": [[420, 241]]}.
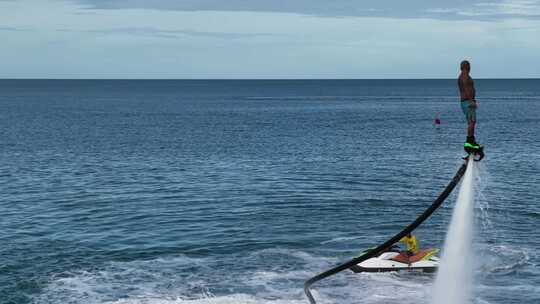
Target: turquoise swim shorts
{"points": [[469, 109]]}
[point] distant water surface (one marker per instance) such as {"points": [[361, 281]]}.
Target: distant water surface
{"points": [[237, 191]]}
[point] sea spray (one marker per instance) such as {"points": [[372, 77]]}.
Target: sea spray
{"points": [[454, 277]]}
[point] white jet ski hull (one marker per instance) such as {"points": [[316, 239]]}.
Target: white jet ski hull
{"points": [[384, 263]]}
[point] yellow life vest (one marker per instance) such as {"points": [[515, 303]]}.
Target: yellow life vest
{"points": [[411, 242]]}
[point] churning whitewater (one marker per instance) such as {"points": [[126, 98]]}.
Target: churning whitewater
{"points": [[454, 278]]}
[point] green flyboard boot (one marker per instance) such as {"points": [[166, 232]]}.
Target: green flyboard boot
{"points": [[471, 147]]}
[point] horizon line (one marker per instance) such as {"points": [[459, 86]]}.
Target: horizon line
{"points": [[262, 79]]}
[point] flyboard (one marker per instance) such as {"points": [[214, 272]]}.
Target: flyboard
{"points": [[383, 257]]}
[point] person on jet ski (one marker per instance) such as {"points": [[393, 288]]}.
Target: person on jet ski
{"points": [[412, 244]]}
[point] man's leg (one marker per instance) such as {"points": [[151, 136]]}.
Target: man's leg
{"points": [[471, 121], [470, 129], [409, 255]]}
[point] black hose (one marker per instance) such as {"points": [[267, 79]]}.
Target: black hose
{"points": [[381, 248]]}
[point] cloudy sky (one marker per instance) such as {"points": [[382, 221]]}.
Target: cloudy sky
{"points": [[268, 38]]}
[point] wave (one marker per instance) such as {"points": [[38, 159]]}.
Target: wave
{"points": [[231, 299], [270, 276], [341, 239], [267, 276], [502, 260]]}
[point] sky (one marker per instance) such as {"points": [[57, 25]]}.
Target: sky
{"points": [[245, 39]]}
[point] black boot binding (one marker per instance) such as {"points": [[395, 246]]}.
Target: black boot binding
{"points": [[471, 147]]}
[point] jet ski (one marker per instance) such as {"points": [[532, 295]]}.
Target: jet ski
{"points": [[395, 260]]}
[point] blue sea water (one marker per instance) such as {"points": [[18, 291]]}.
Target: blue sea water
{"points": [[218, 192]]}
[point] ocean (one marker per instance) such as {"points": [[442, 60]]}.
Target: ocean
{"points": [[196, 192]]}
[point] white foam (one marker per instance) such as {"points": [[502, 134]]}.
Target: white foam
{"points": [[188, 280], [502, 259], [230, 299]]}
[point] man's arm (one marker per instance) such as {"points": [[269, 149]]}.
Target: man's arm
{"points": [[473, 91]]}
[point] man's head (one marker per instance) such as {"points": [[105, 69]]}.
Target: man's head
{"points": [[465, 66]]}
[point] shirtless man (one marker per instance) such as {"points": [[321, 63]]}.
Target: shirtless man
{"points": [[468, 101]]}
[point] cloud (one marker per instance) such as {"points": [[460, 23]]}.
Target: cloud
{"points": [[435, 9], [165, 33], [514, 7], [171, 43], [494, 10], [12, 29]]}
